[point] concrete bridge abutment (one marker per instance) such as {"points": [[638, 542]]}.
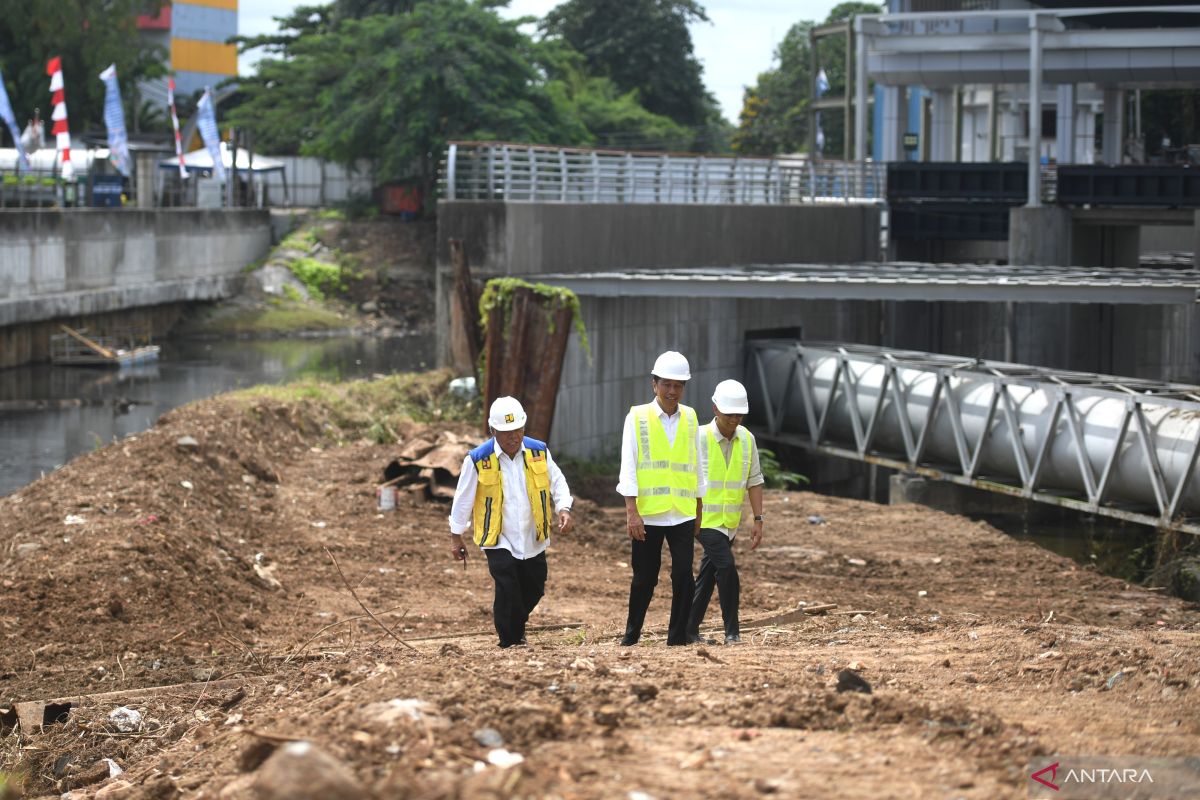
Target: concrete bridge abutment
{"points": [[114, 267]]}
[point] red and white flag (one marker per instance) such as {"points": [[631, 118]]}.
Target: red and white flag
{"points": [[58, 99], [183, 173]]}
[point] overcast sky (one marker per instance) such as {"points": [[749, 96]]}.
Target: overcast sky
{"points": [[734, 47]]}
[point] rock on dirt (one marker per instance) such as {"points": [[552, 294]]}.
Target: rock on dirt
{"points": [[117, 790], [302, 771], [850, 681]]}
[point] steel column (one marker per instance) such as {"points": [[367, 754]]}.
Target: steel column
{"points": [[1035, 111]]}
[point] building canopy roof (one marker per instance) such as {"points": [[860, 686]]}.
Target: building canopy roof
{"points": [[202, 161]]}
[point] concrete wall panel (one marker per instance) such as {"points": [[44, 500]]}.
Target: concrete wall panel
{"points": [[535, 238], [1153, 342], [93, 261]]}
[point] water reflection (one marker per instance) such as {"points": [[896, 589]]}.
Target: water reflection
{"points": [[66, 411]]}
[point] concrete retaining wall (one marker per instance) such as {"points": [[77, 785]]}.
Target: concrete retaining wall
{"points": [[534, 238], [91, 261], [83, 263], [626, 334]]}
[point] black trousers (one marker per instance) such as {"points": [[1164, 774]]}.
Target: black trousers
{"points": [[647, 560], [716, 567], [520, 584]]}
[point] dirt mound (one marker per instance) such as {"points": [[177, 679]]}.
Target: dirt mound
{"points": [[215, 576], [155, 548]]}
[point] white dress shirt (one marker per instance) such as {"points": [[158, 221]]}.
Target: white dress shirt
{"points": [[754, 479], [517, 532], [627, 484]]}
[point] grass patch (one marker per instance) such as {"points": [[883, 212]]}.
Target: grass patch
{"points": [[275, 319], [373, 409], [292, 293], [319, 277], [302, 238], [12, 787]]}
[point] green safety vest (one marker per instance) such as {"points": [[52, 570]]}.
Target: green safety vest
{"points": [[726, 481], [666, 473]]}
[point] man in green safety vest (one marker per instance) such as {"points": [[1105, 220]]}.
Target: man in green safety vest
{"points": [[662, 482], [729, 460], [510, 494]]}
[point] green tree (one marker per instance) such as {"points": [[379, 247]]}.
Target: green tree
{"points": [[605, 116], [774, 117], [396, 88], [644, 46], [88, 35]]}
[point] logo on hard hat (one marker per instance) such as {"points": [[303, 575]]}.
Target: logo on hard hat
{"points": [[509, 418]]}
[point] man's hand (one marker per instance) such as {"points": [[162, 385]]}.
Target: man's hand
{"points": [[756, 535], [633, 522], [565, 521], [696, 528], [457, 548]]}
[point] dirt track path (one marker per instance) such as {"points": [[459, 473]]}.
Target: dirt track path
{"points": [[971, 680]]}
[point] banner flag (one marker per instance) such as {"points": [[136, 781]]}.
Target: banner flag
{"points": [[183, 173], [6, 114], [114, 120], [822, 88], [62, 133], [207, 122]]}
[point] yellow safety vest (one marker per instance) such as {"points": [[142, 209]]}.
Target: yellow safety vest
{"points": [[489, 495], [726, 492], [666, 473]]}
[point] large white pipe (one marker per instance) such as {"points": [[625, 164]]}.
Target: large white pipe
{"points": [[1174, 431]]}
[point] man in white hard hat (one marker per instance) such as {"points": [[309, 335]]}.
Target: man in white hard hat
{"points": [[662, 482], [509, 492], [729, 459]]}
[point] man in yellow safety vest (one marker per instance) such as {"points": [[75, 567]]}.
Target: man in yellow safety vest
{"points": [[729, 459], [662, 482], [509, 493]]}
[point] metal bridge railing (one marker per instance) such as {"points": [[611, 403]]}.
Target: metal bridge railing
{"points": [[1118, 447], [516, 172]]}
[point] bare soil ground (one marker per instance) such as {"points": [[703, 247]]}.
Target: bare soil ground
{"points": [[208, 571]]}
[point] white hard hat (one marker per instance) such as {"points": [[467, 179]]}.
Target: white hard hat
{"points": [[506, 414], [730, 398], [672, 366]]}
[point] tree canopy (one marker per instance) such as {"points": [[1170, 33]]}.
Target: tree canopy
{"points": [[644, 47], [88, 35], [774, 116], [396, 87], [394, 80]]}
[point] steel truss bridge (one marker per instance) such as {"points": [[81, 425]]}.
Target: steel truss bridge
{"points": [[1117, 447]]}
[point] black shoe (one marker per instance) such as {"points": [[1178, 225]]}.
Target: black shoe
{"points": [[629, 640], [698, 639], [733, 638]]}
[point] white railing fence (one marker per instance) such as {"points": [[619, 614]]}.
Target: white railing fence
{"points": [[516, 172]]}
